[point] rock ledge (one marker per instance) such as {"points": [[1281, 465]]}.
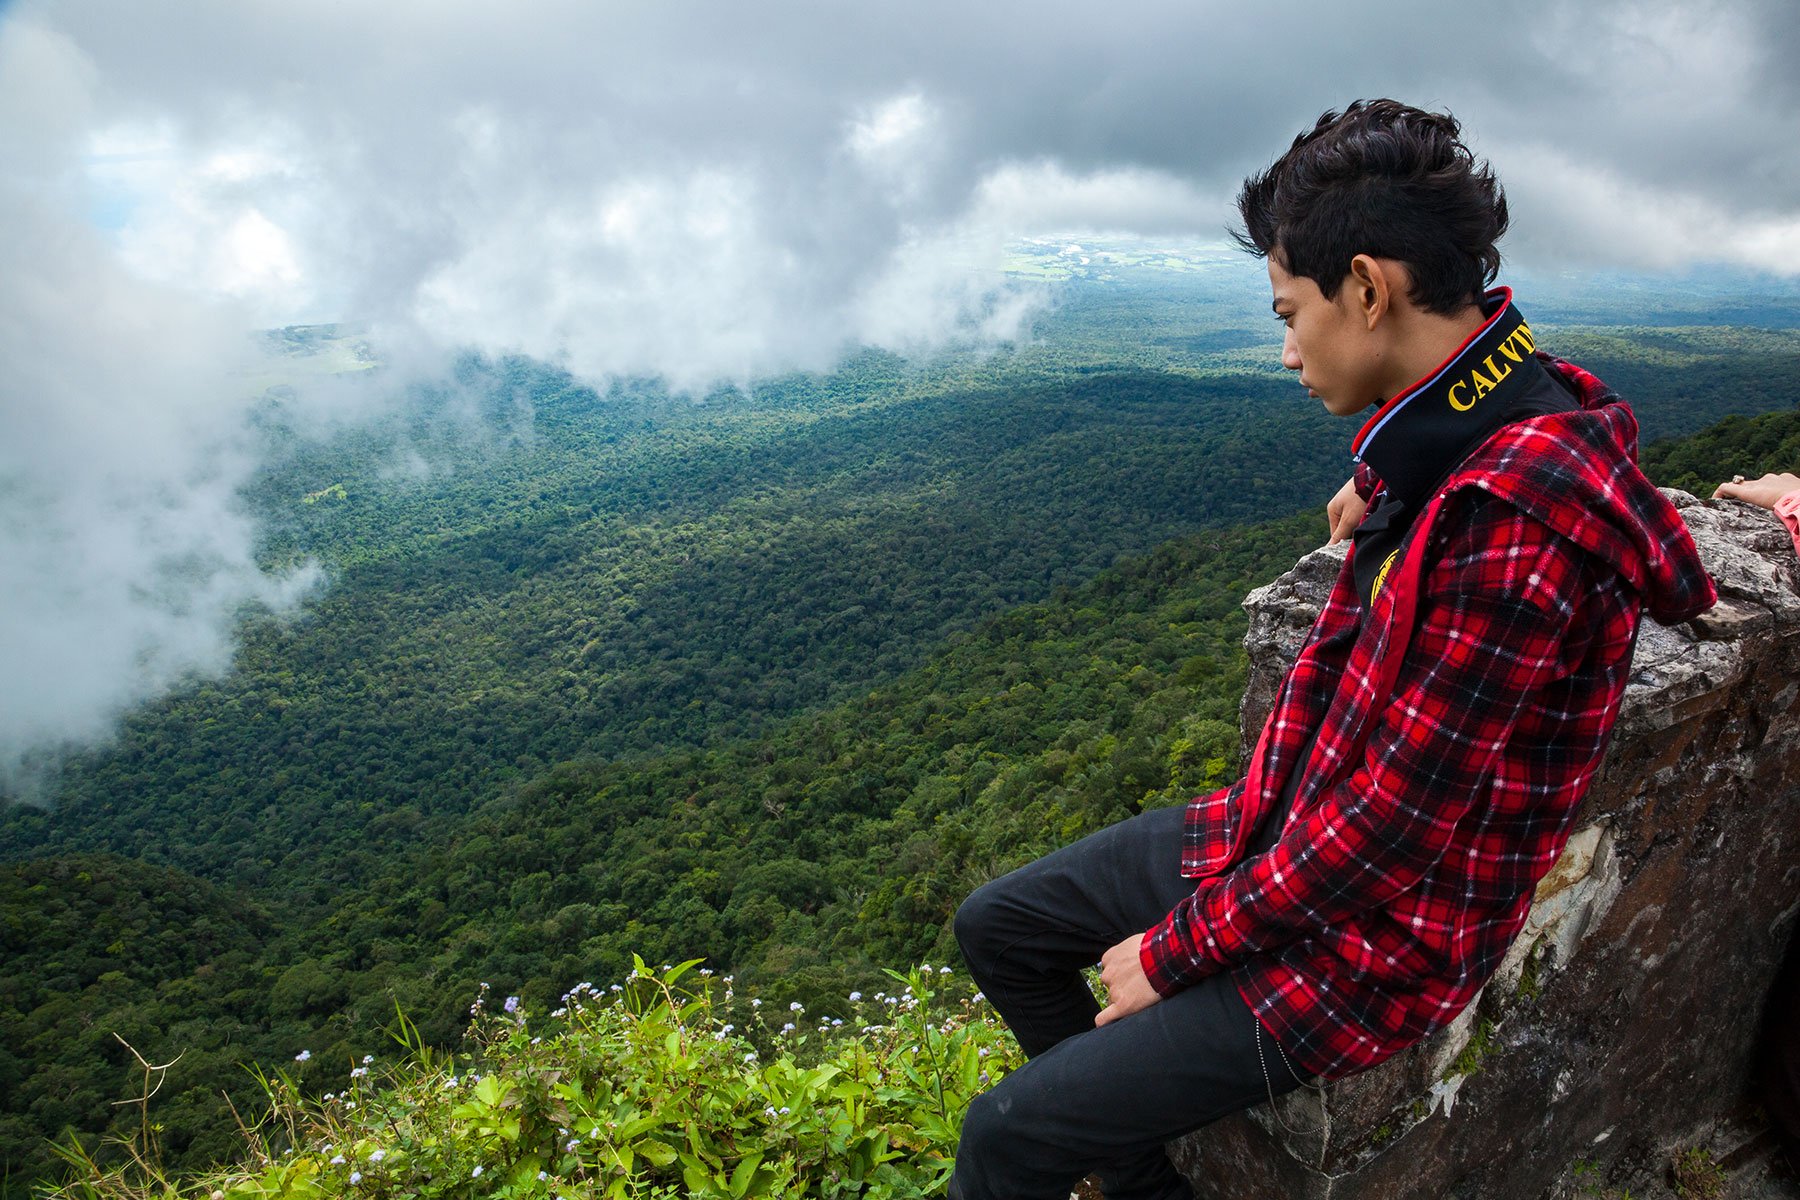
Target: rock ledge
{"points": [[1620, 1026]]}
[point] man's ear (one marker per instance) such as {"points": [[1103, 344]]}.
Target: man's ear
{"points": [[1374, 283]]}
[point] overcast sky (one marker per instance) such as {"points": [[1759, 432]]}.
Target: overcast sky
{"points": [[706, 190]]}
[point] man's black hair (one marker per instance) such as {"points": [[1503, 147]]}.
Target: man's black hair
{"points": [[1388, 180]]}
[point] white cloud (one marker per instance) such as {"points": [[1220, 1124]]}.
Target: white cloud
{"points": [[124, 553], [889, 126], [1604, 218], [1043, 196]]}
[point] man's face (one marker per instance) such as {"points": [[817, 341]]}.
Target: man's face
{"points": [[1327, 341]]}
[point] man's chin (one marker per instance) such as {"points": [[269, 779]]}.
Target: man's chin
{"points": [[1347, 408]]}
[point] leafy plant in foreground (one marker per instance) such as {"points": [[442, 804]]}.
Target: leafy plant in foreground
{"points": [[670, 1084]]}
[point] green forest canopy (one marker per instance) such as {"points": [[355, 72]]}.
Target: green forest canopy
{"points": [[774, 679]]}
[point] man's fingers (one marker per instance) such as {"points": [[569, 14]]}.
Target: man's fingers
{"points": [[1344, 511], [1107, 1015]]}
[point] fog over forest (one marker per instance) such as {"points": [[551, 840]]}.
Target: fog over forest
{"points": [[708, 195]]}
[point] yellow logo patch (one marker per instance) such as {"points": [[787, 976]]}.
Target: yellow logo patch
{"points": [[1477, 384], [1387, 564]]}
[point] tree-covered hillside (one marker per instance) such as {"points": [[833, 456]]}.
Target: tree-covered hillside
{"points": [[773, 678], [733, 565], [806, 859], [1747, 446]]}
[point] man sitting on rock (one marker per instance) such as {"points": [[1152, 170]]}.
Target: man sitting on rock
{"points": [[1427, 752]]}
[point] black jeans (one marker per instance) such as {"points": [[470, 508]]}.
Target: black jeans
{"points": [[1099, 1099]]}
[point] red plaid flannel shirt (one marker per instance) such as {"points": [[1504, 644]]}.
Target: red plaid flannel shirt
{"points": [[1458, 724]]}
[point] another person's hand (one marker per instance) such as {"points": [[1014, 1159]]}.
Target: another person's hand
{"points": [[1345, 512], [1128, 989], [1764, 492]]}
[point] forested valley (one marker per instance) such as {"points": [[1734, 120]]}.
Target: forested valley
{"points": [[771, 676]]}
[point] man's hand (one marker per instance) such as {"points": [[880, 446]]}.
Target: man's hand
{"points": [[1765, 491], [1128, 989], [1345, 512]]}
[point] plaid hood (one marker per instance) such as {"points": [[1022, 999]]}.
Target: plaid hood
{"points": [[1577, 473]]}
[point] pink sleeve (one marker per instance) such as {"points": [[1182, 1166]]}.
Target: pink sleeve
{"points": [[1788, 509]]}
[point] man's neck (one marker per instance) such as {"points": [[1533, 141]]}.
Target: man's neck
{"points": [[1420, 341]]}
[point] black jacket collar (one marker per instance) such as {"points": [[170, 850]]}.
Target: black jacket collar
{"points": [[1415, 439]]}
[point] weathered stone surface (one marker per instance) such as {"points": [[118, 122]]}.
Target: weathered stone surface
{"points": [[1281, 615], [1620, 1026]]}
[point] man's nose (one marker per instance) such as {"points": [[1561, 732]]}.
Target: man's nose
{"points": [[1290, 353]]}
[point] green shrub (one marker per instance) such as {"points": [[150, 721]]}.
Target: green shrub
{"points": [[669, 1085]]}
